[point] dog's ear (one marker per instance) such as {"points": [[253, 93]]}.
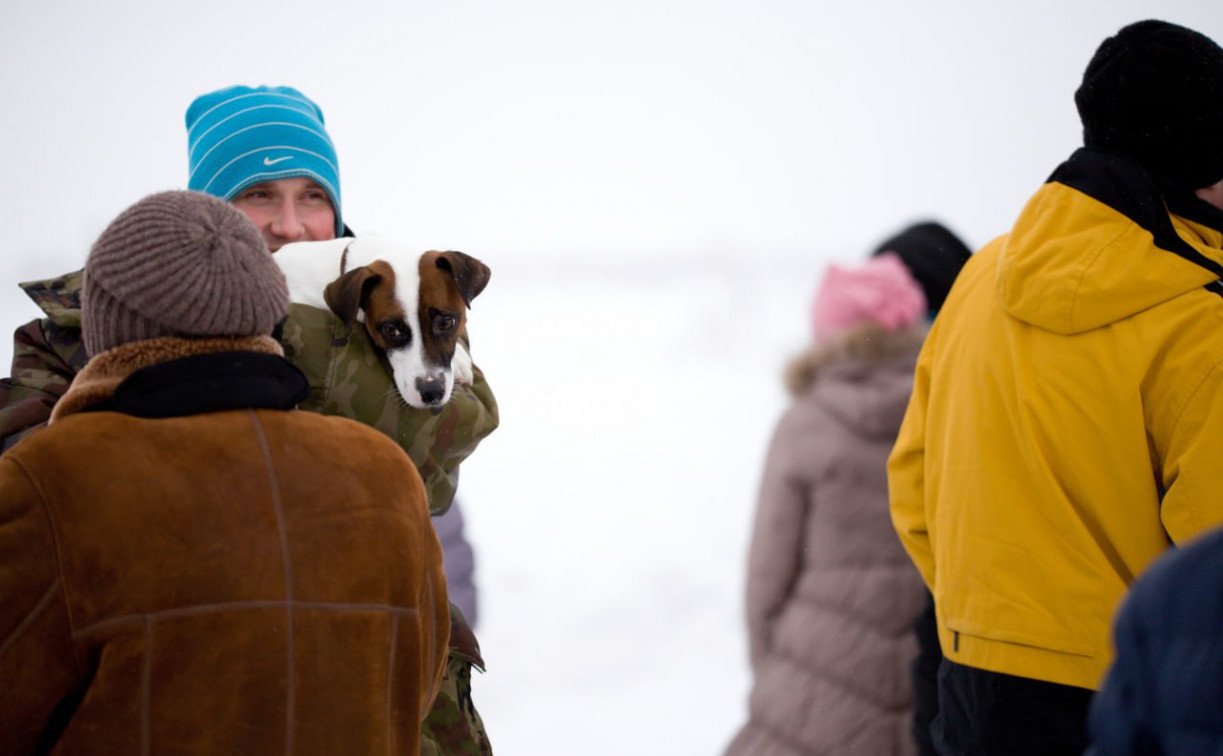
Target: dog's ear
{"points": [[469, 274], [348, 293]]}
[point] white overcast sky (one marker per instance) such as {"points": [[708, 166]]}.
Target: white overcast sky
{"points": [[563, 129]]}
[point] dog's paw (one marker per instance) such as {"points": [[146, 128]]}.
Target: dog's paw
{"points": [[461, 365]]}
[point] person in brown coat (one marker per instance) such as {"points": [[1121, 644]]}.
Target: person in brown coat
{"points": [[191, 565], [831, 595]]}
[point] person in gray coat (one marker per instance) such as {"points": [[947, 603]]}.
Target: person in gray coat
{"points": [[831, 595], [459, 561]]}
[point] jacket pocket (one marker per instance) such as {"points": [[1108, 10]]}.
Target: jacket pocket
{"points": [[1046, 641]]}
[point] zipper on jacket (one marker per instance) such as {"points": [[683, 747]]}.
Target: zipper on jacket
{"points": [[955, 640]]}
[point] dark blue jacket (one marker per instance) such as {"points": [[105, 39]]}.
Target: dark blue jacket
{"points": [[1164, 693]]}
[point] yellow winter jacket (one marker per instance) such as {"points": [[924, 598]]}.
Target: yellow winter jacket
{"points": [[1067, 419]]}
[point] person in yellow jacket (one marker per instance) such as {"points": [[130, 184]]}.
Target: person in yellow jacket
{"points": [[1066, 424]]}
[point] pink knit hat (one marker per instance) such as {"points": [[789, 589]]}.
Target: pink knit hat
{"points": [[879, 291]]}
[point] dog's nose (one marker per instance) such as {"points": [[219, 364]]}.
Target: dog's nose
{"points": [[431, 389]]}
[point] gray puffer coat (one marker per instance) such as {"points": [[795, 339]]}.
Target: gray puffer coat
{"points": [[831, 595]]}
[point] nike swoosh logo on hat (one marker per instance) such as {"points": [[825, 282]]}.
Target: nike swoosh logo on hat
{"points": [[270, 161]]}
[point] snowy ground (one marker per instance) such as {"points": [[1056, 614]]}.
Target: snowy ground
{"points": [[610, 512]]}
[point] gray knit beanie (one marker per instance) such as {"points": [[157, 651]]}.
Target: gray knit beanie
{"points": [[180, 264]]}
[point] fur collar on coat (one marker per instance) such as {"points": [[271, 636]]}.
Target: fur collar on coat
{"points": [[865, 344], [168, 376]]}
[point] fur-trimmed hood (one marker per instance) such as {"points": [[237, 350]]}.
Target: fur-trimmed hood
{"points": [[863, 378]]}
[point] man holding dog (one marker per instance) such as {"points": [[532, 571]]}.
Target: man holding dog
{"points": [[266, 151], [1066, 424]]}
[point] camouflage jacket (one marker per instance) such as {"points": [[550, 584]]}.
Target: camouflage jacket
{"points": [[348, 377]]}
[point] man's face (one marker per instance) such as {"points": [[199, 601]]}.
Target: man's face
{"points": [[1212, 194], [288, 210]]}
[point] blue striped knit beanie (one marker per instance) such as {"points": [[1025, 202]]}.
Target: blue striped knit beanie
{"points": [[241, 136]]}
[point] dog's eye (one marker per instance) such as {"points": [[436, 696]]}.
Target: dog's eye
{"points": [[444, 323], [395, 333]]}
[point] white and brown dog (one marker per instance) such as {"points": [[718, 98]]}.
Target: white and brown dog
{"points": [[413, 305]]}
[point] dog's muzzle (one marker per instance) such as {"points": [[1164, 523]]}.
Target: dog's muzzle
{"points": [[431, 389]]}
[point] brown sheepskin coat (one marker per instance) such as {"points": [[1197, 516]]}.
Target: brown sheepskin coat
{"points": [[831, 595], [248, 580]]}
